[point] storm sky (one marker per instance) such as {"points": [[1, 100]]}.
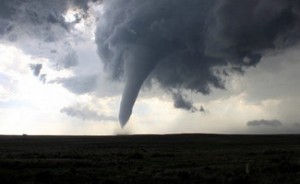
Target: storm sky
{"points": [[168, 66]]}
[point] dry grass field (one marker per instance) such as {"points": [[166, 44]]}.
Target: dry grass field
{"points": [[187, 158]]}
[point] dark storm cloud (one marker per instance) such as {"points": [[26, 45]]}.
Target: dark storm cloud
{"points": [[181, 43], [33, 12], [39, 28], [180, 102], [5, 27], [270, 123], [38, 19], [85, 113], [36, 69], [6, 9], [39, 11]]}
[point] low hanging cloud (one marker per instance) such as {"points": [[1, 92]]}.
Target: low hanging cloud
{"points": [[183, 44], [296, 124], [85, 113], [78, 84], [68, 61], [269, 123], [181, 103], [36, 69]]}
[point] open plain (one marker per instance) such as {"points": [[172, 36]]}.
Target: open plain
{"points": [[186, 158]]}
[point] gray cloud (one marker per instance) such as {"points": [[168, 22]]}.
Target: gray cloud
{"points": [[180, 102], [43, 78], [296, 124], [6, 10], [85, 113], [5, 27], [78, 84], [39, 11], [269, 123], [202, 109], [31, 14], [36, 69], [70, 60], [38, 26], [273, 127], [180, 44]]}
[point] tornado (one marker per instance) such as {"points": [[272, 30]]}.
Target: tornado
{"points": [[137, 68], [130, 93], [189, 45]]}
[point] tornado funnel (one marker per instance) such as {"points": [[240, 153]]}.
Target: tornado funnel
{"points": [[136, 73]]}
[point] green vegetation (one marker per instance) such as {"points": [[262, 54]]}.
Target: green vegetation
{"points": [[207, 159]]}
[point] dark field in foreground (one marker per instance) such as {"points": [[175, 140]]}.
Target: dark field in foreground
{"points": [[150, 159]]}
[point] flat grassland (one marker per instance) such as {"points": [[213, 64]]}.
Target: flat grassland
{"points": [[187, 158]]}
